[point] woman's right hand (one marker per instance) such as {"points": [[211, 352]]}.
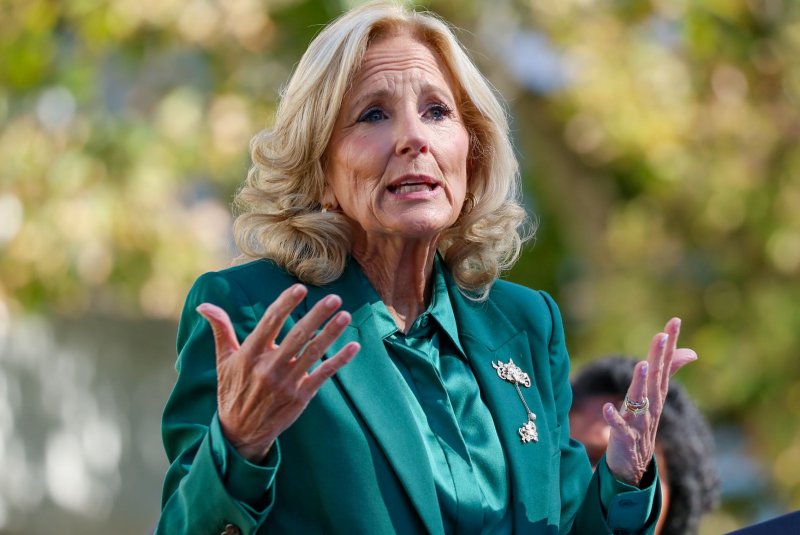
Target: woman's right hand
{"points": [[262, 387]]}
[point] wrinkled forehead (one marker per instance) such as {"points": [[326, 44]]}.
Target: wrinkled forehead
{"points": [[407, 45]]}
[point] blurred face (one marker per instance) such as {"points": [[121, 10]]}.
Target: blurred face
{"points": [[587, 426], [396, 164]]}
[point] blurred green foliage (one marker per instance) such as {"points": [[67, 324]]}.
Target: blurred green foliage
{"points": [[668, 172], [659, 148]]}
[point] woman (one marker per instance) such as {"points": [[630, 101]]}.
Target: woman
{"points": [[387, 189], [684, 445]]}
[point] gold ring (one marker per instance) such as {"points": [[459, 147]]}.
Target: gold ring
{"points": [[636, 407]]}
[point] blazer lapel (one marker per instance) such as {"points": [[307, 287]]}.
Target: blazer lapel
{"points": [[372, 383], [487, 335]]}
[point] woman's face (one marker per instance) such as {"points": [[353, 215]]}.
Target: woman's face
{"points": [[396, 164]]}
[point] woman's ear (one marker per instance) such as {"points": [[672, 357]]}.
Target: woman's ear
{"points": [[328, 199]]}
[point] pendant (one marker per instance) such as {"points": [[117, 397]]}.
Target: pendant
{"points": [[528, 431]]}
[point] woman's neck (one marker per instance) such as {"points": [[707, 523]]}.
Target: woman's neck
{"points": [[401, 274]]}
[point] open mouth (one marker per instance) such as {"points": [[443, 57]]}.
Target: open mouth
{"points": [[412, 187], [413, 184]]}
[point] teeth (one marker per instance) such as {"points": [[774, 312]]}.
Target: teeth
{"points": [[412, 188]]}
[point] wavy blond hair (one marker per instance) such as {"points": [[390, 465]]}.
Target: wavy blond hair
{"points": [[280, 215]]}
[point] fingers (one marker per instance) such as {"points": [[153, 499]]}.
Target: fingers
{"points": [[225, 342], [632, 437], [328, 368], [265, 333], [655, 359], [317, 347], [681, 358], [665, 359], [299, 338], [673, 329], [637, 391], [674, 358], [613, 417]]}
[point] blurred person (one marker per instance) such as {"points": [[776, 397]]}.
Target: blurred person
{"points": [[684, 443], [381, 208]]}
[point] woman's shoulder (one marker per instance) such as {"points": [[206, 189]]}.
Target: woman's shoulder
{"points": [[258, 267], [256, 279], [507, 294], [524, 305]]}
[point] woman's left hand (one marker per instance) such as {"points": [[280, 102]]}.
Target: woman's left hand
{"points": [[633, 431]]}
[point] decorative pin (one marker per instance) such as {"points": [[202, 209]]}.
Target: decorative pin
{"points": [[513, 374]]}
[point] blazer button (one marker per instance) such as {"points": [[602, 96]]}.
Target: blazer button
{"points": [[230, 529]]}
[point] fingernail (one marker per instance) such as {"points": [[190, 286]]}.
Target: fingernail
{"points": [[643, 371], [343, 318], [332, 301], [663, 341], [298, 290]]}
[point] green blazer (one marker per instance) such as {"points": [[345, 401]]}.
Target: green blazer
{"points": [[349, 464]]}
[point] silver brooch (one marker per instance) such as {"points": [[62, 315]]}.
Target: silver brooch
{"points": [[513, 374]]}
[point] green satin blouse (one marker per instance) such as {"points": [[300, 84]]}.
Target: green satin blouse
{"points": [[463, 450]]}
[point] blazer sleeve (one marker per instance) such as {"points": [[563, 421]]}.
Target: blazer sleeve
{"points": [[608, 505], [208, 485]]}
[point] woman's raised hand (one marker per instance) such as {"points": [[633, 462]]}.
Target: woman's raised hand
{"points": [[633, 426], [262, 387]]}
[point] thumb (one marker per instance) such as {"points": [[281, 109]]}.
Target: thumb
{"points": [[225, 342], [681, 358]]}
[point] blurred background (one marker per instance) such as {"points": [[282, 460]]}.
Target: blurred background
{"points": [[659, 145]]}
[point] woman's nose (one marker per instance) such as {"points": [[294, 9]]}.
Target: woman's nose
{"points": [[412, 135]]}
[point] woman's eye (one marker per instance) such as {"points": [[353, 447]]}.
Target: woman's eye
{"points": [[372, 115], [437, 112]]}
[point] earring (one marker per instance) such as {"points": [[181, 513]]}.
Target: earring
{"points": [[326, 206], [469, 203]]}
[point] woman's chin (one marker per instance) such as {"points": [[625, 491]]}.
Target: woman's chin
{"points": [[422, 227]]}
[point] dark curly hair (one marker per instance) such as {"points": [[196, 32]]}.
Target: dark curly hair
{"points": [[683, 435]]}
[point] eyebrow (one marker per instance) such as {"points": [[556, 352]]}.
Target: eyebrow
{"points": [[380, 94]]}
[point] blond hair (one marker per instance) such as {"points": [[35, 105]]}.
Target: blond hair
{"points": [[280, 213]]}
